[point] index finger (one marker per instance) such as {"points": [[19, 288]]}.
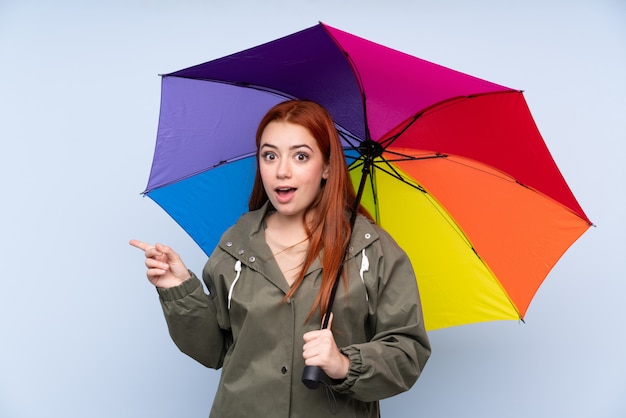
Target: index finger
{"points": [[144, 246]]}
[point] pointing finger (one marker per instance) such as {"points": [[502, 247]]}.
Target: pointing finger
{"points": [[144, 246]]}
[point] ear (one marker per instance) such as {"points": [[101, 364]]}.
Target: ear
{"points": [[325, 172]]}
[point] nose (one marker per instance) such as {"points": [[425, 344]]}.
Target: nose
{"points": [[283, 170]]}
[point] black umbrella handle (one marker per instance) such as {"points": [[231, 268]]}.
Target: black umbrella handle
{"points": [[313, 376]]}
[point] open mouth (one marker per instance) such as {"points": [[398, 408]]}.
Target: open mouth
{"points": [[284, 191]]}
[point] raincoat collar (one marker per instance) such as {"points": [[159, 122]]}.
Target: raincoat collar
{"points": [[245, 241]]}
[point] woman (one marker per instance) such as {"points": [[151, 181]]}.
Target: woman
{"points": [[270, 278]]}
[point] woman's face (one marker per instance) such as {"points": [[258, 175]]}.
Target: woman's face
{"points": [[292, 167]]}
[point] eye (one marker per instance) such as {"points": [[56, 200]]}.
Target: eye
{"points": [[302, 156], [268, 156]]}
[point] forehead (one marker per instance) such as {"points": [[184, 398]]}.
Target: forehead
{"points": [[286, 133]]}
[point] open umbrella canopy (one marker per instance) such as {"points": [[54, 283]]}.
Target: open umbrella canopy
{"points": [[458, 172]]}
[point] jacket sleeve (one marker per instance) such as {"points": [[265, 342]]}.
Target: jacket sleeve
{"points": [[392, 360], [192, 322]]}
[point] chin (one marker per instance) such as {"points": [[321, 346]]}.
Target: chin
{"points": [[288, 211]]}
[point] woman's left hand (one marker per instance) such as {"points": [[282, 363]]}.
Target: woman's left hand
{"points": [[321, 350]]}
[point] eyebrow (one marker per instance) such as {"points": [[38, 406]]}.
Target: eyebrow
{"points": [[291, 147]]}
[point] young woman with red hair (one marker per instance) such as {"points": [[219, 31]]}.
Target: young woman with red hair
{"points": [[270, 279]]}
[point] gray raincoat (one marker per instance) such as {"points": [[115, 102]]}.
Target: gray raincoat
{"points": [[243, 326]]}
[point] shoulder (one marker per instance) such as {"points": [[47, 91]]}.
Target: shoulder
{"points": [[248, 225], [370, 230], [367, 232], [245, 233]]}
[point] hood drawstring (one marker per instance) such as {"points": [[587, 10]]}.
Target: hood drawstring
{"points": [[365, 266], [232, 286]]}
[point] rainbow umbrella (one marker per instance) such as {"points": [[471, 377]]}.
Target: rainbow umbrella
{"points": [[451, 165]]}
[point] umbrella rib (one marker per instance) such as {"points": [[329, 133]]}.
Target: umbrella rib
{"points": [[359, 80], [501, 175], [204, 170], [343, 132], [393, 173], [352, 140], [440, 106], [437, 207], [407, 157], [242, 84]]}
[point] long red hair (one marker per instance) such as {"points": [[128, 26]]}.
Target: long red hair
{"points": [[330, 229]]}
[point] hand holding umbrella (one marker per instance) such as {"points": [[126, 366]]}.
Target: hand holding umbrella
{"points": [[321, 350], [165, 267]]}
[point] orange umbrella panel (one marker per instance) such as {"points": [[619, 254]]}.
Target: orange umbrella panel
{"points": [[480, 243]]}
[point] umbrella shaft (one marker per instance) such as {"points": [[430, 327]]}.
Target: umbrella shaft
{"points": [[355, 210]]}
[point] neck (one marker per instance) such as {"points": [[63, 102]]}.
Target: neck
{"points": [[284, 229]]}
